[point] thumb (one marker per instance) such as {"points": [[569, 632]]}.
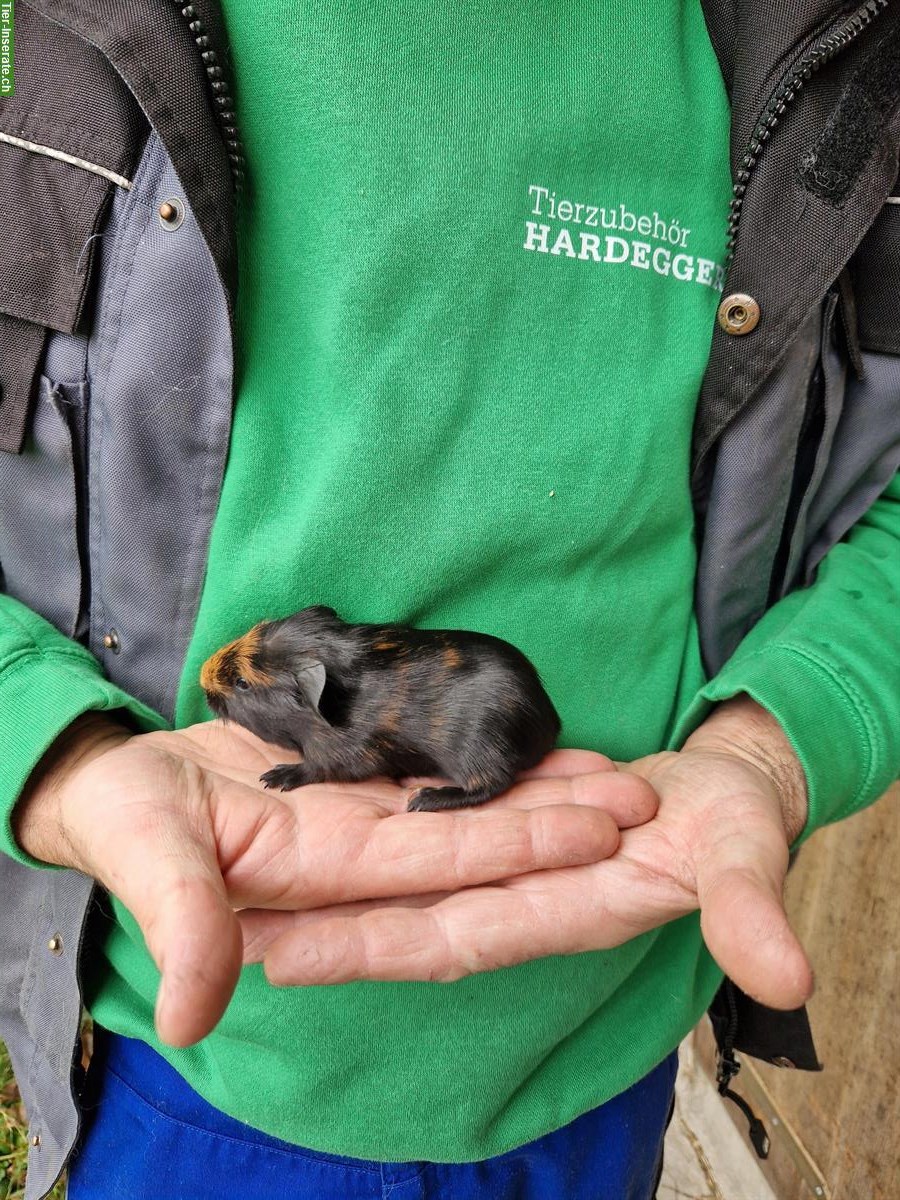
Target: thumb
{"points": [[200, 959], [167, 875], [742, 916]]}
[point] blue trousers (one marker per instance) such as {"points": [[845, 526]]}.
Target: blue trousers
{"points": [[148, 1135]]}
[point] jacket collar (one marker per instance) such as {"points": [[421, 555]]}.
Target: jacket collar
{"points": [[156, 52]]}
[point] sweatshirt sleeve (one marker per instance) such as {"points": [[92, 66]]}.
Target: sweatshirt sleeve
{"points": [[825, 661], [46, 681]]}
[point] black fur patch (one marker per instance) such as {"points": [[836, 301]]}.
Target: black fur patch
{"points": [[833, 165]]}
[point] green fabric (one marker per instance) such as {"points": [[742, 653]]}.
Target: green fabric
{"points": [[451, 417], [826, 662], [46, 682]]}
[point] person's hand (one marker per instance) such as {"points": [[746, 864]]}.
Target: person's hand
{"points": [[730, 803], [179, 828]]}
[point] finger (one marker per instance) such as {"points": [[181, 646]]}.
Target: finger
{"points": [[261, 927], [481, 929], [167, 877], [557, 763], [628, 799], [470, 932], [570, 762], [425, 852], [740, 886], [199, 952], [328, 844]]}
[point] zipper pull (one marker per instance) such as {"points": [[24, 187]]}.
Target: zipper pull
{"points": [[727, 1066]]}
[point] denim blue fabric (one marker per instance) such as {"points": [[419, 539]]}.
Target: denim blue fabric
{"points": [[148, 1134]]}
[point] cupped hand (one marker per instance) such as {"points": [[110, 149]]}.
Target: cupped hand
{"points": [[729, 804], [179, 828]]}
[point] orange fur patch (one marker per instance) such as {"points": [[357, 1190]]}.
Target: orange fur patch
{"points": [[231, 662], [390, 721], [385, 645], [452, 658]]}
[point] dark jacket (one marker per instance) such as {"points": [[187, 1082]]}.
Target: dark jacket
{"points": [[133, 99]]}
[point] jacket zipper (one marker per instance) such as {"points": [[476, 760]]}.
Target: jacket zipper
{"points": [[792, 83], [727, 1066], [223, 102]]}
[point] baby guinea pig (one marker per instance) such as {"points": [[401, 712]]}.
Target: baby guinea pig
{"points": [[364, 700]]}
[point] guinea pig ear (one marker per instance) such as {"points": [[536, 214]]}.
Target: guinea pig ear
{"points": [[311, 682]]}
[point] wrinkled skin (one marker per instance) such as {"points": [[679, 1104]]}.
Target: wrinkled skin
{"points": [[336, 882], [179, 827]]}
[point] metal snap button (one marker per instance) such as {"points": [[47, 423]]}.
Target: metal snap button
{"points": [[111, 641], [738, 313], [171, 213], [36, 1140], [781, 1061], [55, 945]]}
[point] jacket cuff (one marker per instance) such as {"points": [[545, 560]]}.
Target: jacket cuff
{"points": [[825, 720], [41, 693]]}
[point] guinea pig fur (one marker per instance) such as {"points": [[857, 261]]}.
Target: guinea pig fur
{"points": [[363, 700]]}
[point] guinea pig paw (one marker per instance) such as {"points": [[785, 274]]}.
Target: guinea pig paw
{"points": [[286, 777], [437, 799]]}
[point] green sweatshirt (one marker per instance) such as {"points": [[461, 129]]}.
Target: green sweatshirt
{"points": [[480, 267]]}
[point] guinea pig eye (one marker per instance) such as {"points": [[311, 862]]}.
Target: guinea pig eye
{"points": [[242, 683]]}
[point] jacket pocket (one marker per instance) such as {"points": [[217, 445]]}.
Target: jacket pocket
{"points": [[875, 271], [48, 255], [64, 148], [43, 502]]}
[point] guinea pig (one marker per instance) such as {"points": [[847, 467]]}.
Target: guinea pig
{"points": [[363, 700]]}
